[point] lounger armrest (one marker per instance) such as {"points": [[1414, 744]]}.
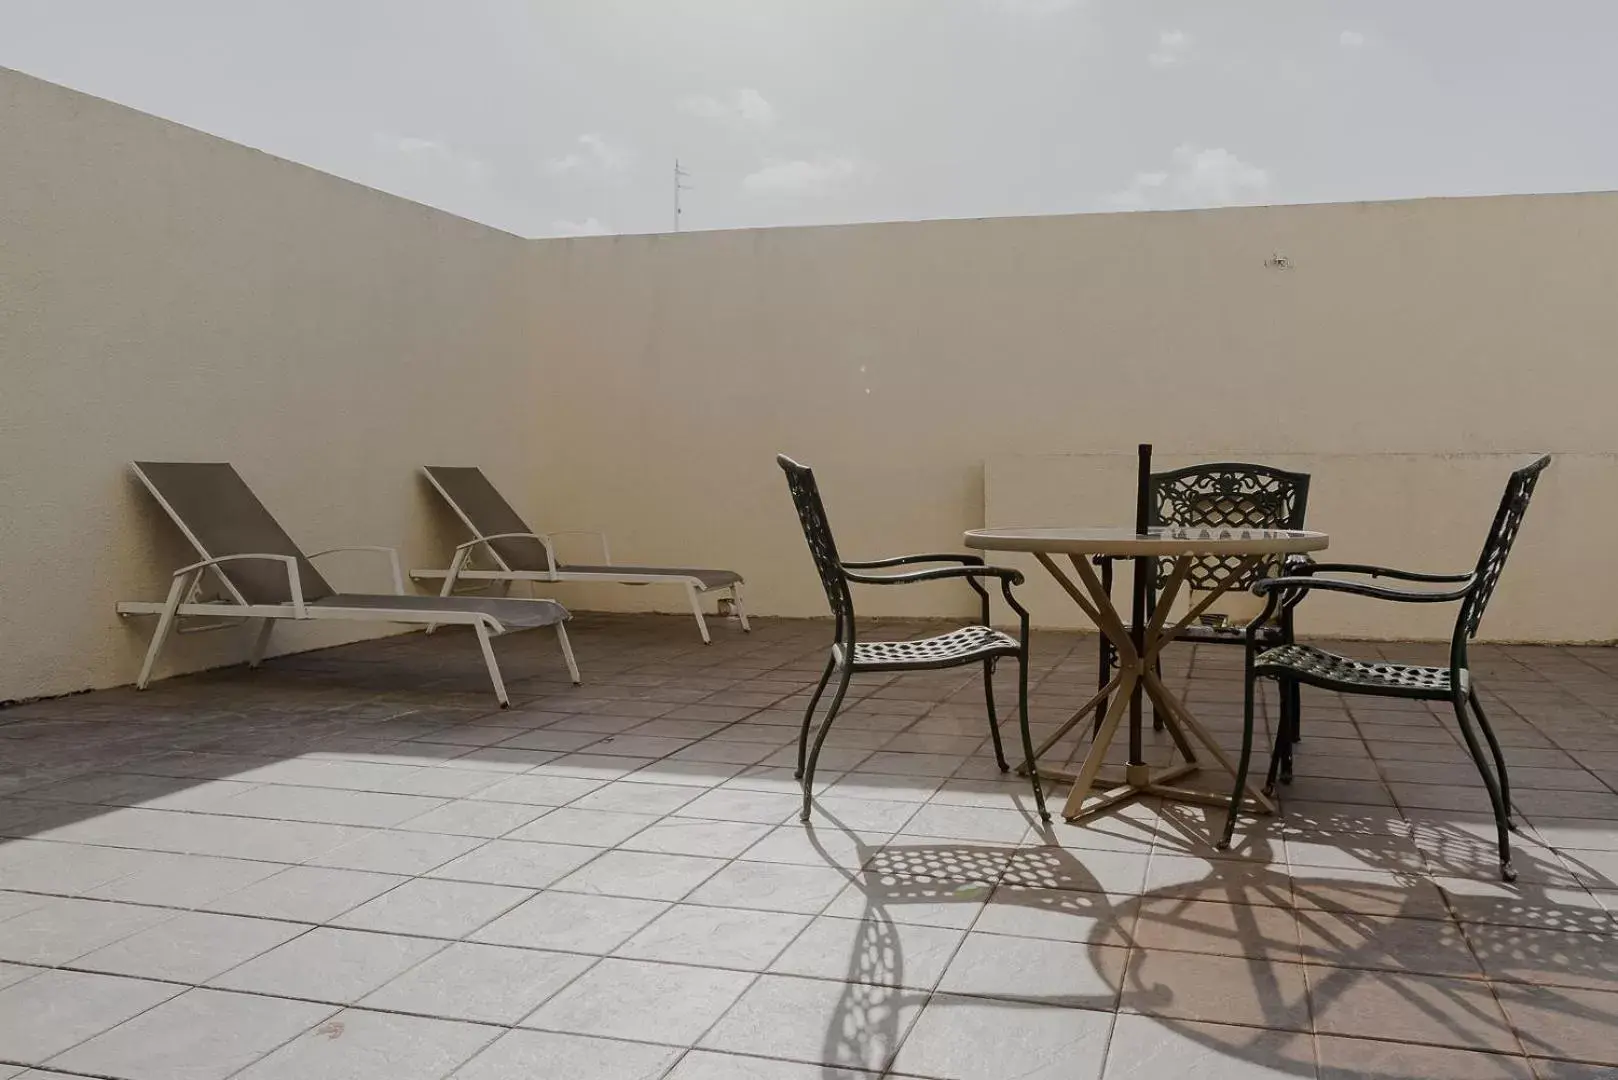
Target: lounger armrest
{"points": [[294, 584], [910, 560], [462, 551], [391, 553], [606, 552]]}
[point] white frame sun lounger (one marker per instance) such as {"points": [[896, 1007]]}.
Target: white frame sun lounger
{"points": [[267, 578], [520, 554]]}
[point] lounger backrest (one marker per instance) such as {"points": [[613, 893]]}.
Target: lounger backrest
{"points": [[220, 515], [485, 511]]}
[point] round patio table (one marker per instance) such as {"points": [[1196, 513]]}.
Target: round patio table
{"points": [[1138, 647]]}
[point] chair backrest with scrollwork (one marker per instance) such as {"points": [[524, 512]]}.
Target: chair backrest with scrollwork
{"points": [[817, 532], [1226, 494], [1502, 534]]}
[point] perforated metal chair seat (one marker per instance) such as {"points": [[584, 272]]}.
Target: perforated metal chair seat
{"points": [[1318, 667], [963, 646]]}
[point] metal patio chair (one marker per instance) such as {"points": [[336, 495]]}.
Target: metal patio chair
{"points": [[1224, 494], [850, 656], [1315, 667]]}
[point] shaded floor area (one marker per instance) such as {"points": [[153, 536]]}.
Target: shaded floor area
{"points": [[350, 864]]}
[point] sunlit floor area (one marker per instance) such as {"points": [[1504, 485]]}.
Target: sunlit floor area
{"points": [[350, 864]]}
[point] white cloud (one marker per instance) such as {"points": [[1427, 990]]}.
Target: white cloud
{"points": [[595, 152], [1198, 176], [1173, 46], [588, 227], [1032, 7], [1351, 39], [431, 155], [745, 106], [803, 177]]}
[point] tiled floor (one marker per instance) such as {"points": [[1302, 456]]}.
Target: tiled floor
{"points": [[348, 865]]}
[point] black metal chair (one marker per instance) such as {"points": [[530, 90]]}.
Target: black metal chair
{"points": [[1293, 663], [1224, 494], [849, 656]]}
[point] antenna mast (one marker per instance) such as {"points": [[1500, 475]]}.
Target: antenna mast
{"points": [[679, 175]]}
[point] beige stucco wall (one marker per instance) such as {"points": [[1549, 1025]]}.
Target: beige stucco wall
{"points": [[898, 359], [166, 294]]}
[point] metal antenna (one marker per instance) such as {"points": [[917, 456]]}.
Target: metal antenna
{"points": [[679, 175]]}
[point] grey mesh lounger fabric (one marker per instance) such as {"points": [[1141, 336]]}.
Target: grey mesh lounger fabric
{"points": [[518, 553], [266, 577]]}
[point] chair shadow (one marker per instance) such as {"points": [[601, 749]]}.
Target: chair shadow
{"points": [[1515, 945]]}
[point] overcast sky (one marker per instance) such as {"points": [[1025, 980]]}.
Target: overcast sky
{"points": [[552, 117]]}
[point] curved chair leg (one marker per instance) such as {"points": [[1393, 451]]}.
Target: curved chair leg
{"points": [[1291, 703], [994, 720], [809, 715], [1507, 872], [1027, 738], [820, 739], [1280, 752], [1246, 758], [1499, 758]]}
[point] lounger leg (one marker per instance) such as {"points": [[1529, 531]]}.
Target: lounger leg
{"points": [[696, 609], [261, 642], [494, 668], [741, 609], [165, 626], [567, 652]]}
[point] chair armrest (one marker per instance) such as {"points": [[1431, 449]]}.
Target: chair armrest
{"points": [[1366, 570], [606, 552], [1302, 585], [907, 560], [1004, 573], [391, 553], [294, 584]]}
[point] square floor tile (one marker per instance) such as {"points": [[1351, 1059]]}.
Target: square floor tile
{"points": [[1366, 1059], [967, 823], [359, 1045], [1254, 930], [1558, 1022], [595, 828], [1045, 972], [677, 835], [726, 804], [184, 881], [1217, 989], [1409, 1008], [61, 930], [717, 937], [804, 890], [1057, 915], [1146, 1048], [517, 862], [56, 1009], [200, 1035], [192, 947], [448, 909], [468, 817], [972, 1039], [572, 922], [407, 853], [546, 1055], [313, 894], [813, 1020], [1587, 959], [876, 950], [1351, 940], [328, 964], [638, 798], [710, 1065], [539, 790], [917, 901], [666, 1003], [488, 983]]}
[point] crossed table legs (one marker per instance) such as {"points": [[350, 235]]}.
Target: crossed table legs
{"points": [[1137, 670]]}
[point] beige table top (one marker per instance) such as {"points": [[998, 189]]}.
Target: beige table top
{"points": [[1124, 543]]}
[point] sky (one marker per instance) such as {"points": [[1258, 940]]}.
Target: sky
{"points": [[565, 117]]}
